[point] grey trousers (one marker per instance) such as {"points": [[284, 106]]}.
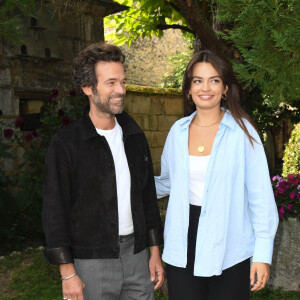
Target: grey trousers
{"points": [[123, 278]]}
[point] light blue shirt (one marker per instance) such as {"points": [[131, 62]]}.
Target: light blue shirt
{"points": [[238, 217]]}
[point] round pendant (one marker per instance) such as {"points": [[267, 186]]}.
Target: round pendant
{"points": [[201, 149]]}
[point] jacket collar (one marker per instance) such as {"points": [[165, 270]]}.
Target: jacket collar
{"points": [[126, 122], [227, 120]]}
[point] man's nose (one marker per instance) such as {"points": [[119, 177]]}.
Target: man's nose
{"points": [[120, 88]]}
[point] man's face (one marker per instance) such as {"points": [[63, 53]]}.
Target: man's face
{"points": [[108, 96]]}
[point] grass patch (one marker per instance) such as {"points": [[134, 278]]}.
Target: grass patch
{"points": [[27, 276]]}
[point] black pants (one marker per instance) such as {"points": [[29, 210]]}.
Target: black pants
{"points": [[232, 284]]}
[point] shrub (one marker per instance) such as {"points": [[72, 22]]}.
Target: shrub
{"points": [[291, 157], [21, 195], [287, 195]]}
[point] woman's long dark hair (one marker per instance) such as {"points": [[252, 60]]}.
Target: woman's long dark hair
{"points": [[232, 103]]}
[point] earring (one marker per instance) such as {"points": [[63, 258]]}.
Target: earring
{"points": [[224, 96]]}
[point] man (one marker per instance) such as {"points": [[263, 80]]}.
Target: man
{"points": [[100, 210]]}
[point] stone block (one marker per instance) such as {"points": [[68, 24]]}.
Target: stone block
{"points": [[156, 138], [136, 104], [174, 106], [157, 105], [285, 268], [165, 122], [156, 154], [6, 103], [146, 122], [5, 77]]}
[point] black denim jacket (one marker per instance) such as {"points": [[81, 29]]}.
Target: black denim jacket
{"points": [[80, 210]]}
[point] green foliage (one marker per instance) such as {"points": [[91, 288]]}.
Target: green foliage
{"points": [[21, 205], [31, 277], [267, 35], [11, 13], [291, 157], [143, 19]]}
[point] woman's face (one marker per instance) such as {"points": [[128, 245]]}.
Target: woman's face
{"points": [[206, 86]]}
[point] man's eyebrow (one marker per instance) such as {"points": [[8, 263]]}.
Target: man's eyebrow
{"points": [[114, 79]]}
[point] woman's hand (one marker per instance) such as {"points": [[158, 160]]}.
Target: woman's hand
{"points": [[262, 271]]}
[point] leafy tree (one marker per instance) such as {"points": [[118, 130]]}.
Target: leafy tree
{"points": [[11, 12], [261, 36]]}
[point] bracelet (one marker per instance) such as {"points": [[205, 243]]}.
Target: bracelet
{"points": [[65, 278]]}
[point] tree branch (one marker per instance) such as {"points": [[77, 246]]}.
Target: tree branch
{"points": [[175, 26]]}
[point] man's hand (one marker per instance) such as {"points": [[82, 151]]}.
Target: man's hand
{"points": [[156, 269], [262, 271], [72, 287]]}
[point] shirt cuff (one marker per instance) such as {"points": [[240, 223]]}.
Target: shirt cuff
{"points": [[263, 250]]}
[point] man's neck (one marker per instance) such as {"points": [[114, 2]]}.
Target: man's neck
{"points": [[101, 120]]}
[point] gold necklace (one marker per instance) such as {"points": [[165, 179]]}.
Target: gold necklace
{"points": [[201, 148]]}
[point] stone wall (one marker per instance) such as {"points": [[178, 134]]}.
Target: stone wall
{"points": [[147, 60], [155, 110], [285, 269]]}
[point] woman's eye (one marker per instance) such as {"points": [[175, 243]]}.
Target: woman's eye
{"points": [[215, 81], [197, 81]]}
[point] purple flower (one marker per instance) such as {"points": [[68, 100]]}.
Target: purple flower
{"points": [[28, 137], [55, 93], [282, 209], [289, 207], [292, 195], [19, 122], [281, 184], [280, 191], [61, 112], [8, 133]]}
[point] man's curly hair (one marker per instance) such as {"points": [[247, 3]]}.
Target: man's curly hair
{"points": [[84, 74]]}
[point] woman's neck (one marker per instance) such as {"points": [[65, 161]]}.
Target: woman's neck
{"points": [[208, 117]]}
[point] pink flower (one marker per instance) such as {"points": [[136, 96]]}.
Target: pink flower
{"points": [[280, 191], [298, 196], [72, 93], [289, 207], [292, 195], [28, 137], [287, 186], [275, 193], [19, 122], [280, 215], [282, 209], [296, 182], [35, 134], [290, 176], [66, 120], [281, 184], [8, 133]]}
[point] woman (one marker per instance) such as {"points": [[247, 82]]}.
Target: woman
{"points": [[221, 208]]}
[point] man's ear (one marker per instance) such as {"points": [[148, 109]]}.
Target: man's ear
{"points": [[87, 90]]}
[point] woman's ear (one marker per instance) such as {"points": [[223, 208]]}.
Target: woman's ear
{"points": [[225, 89]]}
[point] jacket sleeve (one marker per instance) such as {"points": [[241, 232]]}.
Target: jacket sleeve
{"points": [[57, 203], [263, 210], [152, 214]]}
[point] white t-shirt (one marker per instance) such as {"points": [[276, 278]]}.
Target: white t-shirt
{"points": [[114, 138], [198, 168]]}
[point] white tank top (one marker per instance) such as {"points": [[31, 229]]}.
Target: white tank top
{"points": [[198, 168], [114, 138]]}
